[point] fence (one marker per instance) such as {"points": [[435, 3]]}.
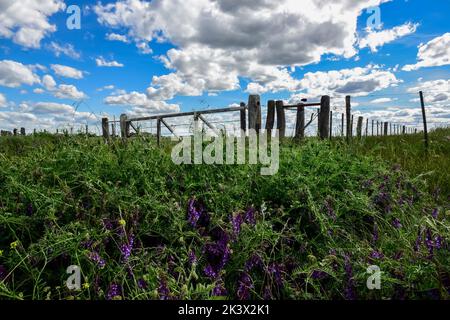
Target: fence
{"points": [[329, 124]]}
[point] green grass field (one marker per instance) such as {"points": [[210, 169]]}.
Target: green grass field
{"points": [[141, 227]]}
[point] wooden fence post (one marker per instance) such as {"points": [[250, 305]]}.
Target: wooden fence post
{"points": [[324, 117], [359, 127], [331, 124], [404, 129], [254, 112], [124, 127], [300, 124], [270, 120], [348, 111], [243, 118], [158, 131], [386, 125], [281, 119], [22, 131], [367, 127], [105, 129], [351, 126], [15, 132], [378, 130], [424, 117]]}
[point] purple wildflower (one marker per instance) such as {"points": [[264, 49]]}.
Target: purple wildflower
{"points": [[192, 258], [435, 213], [254, 261], [114, 291], [429, 243], [349, 290], [438, 242], [267, 293], [142, 284], [219, 290], [163, 290], [126, 248], [95, 257], [245, 284], [236, 222], [277, 271], [376, 255], [418, 240], [108, 224], [319, 274], [217, 253], [330, 210], [197, 216], [375, 235], [396, 223], [250, 216], [3, 272], [383, 201], [398, 255]]}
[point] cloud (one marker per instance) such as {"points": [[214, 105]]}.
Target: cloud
{"points": [[66, 49], [39, 91], [13, 74], [26, 22], [141, 104], [101, 62], [376, 39], [52, 108], [436, 92], [67, 72], [338, 83], [117, 37], [3, 101], [48, 82], [218, 42], [435, 53], [62, 91], [382, 100]]}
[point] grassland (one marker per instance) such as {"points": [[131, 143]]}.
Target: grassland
{"points": [[141, 227]]}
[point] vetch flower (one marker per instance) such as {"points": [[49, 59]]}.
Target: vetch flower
{"points": [[418, 240], [114, 292], [197, 216], [245, 284], [163, 290], [219, 290], [192, 257], [319, 274], [95, 257], [349, 290], [254, 261], [126, 248], [250, 216], [435, 213], [396, 223], [375, 235], [330, 210], [376, 255], [142, 284], [236, 221], [277, 271]]}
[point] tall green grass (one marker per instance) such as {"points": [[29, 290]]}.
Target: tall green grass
{"points": [[330, 212]]}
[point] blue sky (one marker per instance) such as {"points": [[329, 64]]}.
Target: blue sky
{"points": [[214, 65]]}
